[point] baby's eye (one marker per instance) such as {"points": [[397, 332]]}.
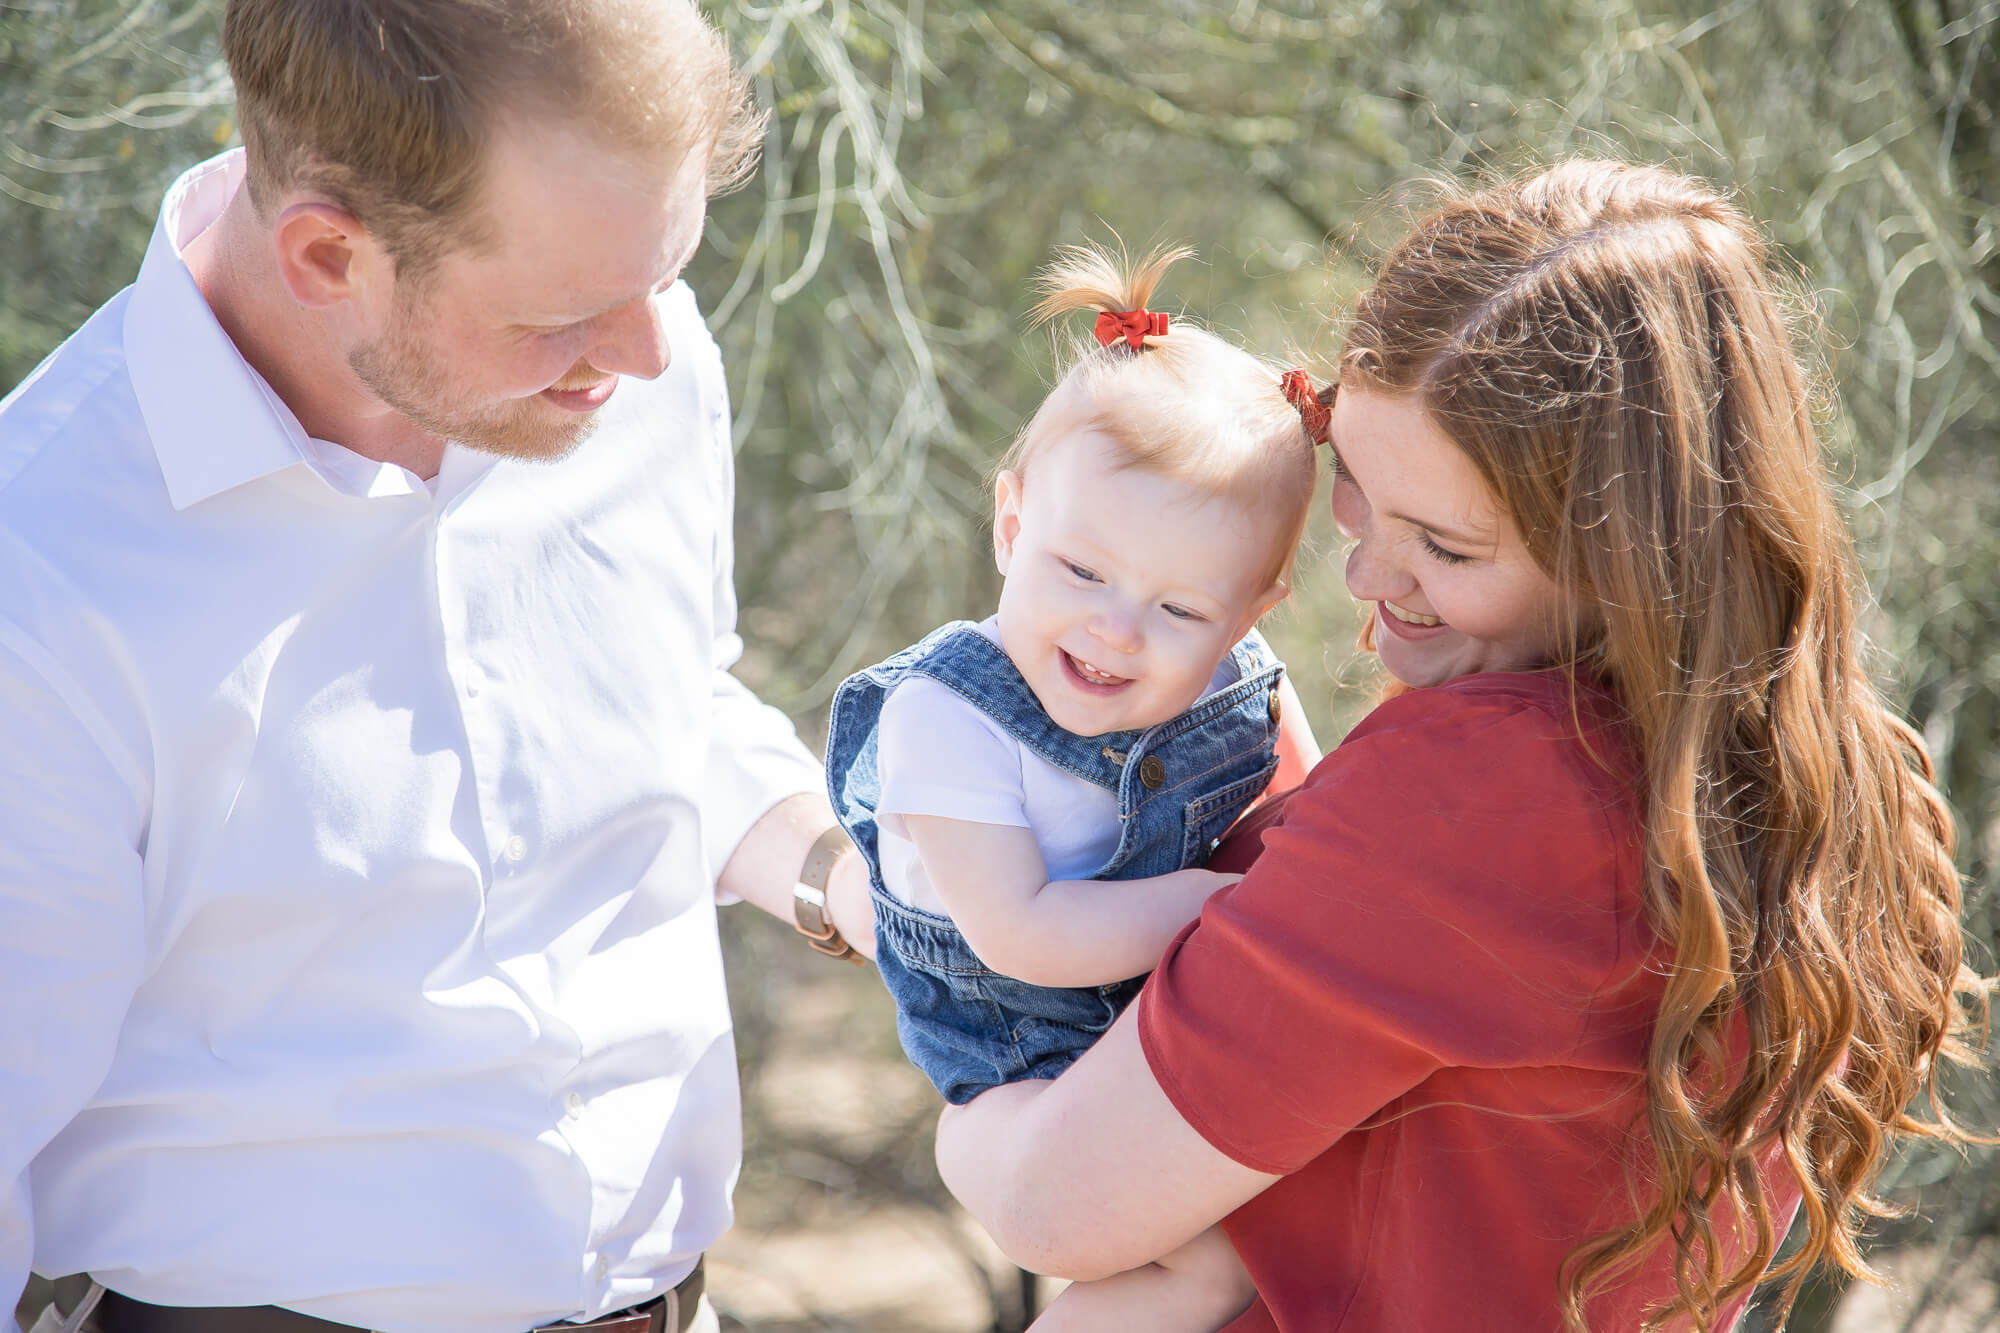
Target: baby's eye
{"points": [[1334, 464], [1087, 575], [1439, 553], [1181, 612]]}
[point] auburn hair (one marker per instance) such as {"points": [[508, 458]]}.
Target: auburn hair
{"points": [[1186, 404], [1609, 345], [385, 107]]}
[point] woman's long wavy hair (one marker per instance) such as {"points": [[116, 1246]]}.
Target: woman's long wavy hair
{"points": [[1607, 344]]}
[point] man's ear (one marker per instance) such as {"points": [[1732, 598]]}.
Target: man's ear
{"points": [[1006, 518], [323, 253]]}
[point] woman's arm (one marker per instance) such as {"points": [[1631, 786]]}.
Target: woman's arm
{"points": [[1067, 1174], [1091, 932]]}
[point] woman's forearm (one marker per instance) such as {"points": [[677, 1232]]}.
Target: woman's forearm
{"points": [[1092, 1173]]}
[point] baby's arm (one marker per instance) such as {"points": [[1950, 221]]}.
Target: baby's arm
{"points": [[1298, 749], [1087, 932]]}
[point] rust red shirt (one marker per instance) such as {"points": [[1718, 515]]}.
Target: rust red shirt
{"points": [[1427, 1005]]}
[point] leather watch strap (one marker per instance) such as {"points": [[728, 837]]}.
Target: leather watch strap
{"points": [[809, 912]]}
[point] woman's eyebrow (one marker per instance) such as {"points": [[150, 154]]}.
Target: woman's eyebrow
{"points": [[1444, 530]]}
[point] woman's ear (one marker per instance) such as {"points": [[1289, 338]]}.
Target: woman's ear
{"points": [[1006, 518]]}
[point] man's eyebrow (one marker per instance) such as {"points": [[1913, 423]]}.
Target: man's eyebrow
{"points": [[679, 270]]}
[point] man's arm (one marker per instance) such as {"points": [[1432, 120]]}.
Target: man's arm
{"points": [[72, 919], [766, 864]]}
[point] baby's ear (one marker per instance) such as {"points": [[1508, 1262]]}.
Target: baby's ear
{"points": [[1270, 597], [1006, 518]]}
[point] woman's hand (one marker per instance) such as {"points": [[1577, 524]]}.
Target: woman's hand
{"points": [[1092, 1173]]}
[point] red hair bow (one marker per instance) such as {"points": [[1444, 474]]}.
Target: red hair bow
{"points": [[1134, 326], [1317, 416]]}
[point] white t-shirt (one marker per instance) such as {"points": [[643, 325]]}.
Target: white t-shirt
{"points": [[938, 754]]}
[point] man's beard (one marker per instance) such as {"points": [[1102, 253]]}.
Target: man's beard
{"points": [[401, 369]]}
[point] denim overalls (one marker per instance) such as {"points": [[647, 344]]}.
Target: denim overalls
{"points": [[1179, 785]]}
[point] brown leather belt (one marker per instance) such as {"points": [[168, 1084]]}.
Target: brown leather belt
{"points": [[671, 1313]]}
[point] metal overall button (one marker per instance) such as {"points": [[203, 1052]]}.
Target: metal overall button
{"points": [[1276, 707], [1152, 772]]}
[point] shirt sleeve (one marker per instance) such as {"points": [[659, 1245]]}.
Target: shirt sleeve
{"points": [[72, 920], [939, 755], [755, 758], [1447, 889]]}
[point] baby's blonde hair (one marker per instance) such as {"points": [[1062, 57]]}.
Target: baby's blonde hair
{"points": [[1187, 405]]}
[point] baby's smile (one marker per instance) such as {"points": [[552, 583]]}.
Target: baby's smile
{"points": [[1092, 675]]}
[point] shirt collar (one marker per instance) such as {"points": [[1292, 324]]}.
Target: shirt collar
{"points": [[214, 422]]}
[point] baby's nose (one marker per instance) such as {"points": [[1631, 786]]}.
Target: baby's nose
{"points": [[1118, 629]]}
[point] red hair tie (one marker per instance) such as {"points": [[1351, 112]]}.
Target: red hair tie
{"points": [[1134, 326], [1317, 416]]}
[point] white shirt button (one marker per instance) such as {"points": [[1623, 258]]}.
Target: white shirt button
{"points": [[573, 1103], [514, 848], [603, 1268], [475, 681]]}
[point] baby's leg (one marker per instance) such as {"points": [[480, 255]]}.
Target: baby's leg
{"points": [[1197, 1289]]}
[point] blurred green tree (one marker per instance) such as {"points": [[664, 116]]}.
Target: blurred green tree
{"points": [[926, 155]]}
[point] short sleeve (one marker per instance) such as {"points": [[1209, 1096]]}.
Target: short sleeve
{"points": [[941, 756], [1453, 886]]}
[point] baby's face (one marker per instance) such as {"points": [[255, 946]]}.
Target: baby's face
{"points": [[1124, 590]]}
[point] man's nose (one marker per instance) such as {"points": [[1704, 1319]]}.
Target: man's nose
{"points": [[633, 341]]}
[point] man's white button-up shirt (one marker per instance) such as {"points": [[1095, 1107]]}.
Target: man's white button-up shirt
{"points": [[358, 838]]}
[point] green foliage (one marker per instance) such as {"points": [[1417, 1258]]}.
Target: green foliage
{"points": [[869, 284], [102, 102]]}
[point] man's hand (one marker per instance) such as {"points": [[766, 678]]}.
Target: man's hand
{"points": [[766, 864]]}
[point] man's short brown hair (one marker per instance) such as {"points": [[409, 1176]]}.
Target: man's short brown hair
{"points": [[385, 107]]}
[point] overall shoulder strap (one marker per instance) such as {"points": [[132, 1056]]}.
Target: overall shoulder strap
{"points": [[979, 671]]}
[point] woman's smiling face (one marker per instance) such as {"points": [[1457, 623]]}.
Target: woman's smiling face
{"points": [[1453, 586]]}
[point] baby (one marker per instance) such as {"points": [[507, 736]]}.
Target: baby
{"points": [[1036, 794]]}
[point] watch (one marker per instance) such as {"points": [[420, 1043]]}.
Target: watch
{"points": [[809, 896]]}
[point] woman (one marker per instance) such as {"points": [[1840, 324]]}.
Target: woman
{"points": [[1630, 928]]}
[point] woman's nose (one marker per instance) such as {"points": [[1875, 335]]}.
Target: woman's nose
{"points": [[1350, 508], [1374, 572]]}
